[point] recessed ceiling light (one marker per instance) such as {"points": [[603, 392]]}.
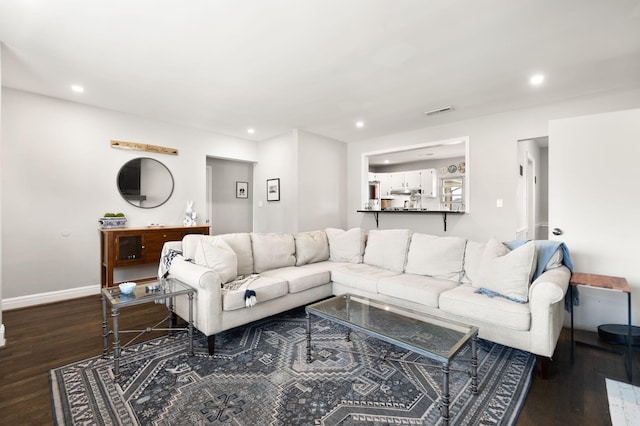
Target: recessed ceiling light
{"points": [[537, 79], [77, 88], [251, 131], [386, 161], [359, 124]]}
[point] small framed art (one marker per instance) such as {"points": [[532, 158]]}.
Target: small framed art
{"points": [[273, 189], [242, 189]]}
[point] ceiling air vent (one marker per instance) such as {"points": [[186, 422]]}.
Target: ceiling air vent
{"points": [[439, 110]]}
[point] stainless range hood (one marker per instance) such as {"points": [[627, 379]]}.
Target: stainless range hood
{"points": [[404, 191]]}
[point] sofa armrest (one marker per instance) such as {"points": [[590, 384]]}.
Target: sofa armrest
{"points": [[550, 287], [546, 299], [208, 297], [172, 245], [197, 276]]}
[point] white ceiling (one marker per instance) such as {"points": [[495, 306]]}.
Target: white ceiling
{"points": [[318, 65]]}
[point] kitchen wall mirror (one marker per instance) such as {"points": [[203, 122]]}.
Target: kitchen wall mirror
{"points": [[145, 182], [448, 159]]}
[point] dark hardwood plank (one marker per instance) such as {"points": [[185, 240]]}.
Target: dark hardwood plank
{"points": [[43, 337]]}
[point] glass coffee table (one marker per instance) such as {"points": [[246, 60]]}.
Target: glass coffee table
{"points": [[152, 291], [432, 337]]}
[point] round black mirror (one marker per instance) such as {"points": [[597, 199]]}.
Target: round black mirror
{"points": [[145, 183]]}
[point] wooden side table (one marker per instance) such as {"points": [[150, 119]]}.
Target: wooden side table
{"points": [[604, 282]]}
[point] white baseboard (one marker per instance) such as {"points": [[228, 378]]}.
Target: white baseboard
{"points": [[2, 341], [54, 296]]}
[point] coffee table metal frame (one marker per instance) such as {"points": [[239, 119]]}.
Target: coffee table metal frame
{"points": [[407, 329], [165, 289]]}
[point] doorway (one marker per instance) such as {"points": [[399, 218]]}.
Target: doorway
{"points": [[533, 189], [229, 196]]}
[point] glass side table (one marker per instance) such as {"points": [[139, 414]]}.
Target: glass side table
{"points": [[152, 291]]}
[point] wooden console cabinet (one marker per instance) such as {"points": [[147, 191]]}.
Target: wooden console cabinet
{"points": [[123, 247]]}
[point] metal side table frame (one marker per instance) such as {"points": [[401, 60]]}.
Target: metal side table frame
{"points": [[166, 289]]}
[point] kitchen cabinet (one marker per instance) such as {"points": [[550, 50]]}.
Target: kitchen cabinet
{"points": [[412, 179], [385, 183], [396, 181], [429, 183], [405, 180], [122, 247]]}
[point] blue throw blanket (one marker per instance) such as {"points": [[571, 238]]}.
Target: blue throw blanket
{"points": [[546, 250]]}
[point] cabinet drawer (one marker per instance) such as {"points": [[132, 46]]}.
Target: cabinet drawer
{"points": [[160, 238]]}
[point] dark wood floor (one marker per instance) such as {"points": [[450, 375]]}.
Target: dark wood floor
{"points": [[47, 336]]}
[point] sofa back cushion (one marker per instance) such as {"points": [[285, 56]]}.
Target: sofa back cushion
{"points": [[240, 242], [214, 253], [189, 245], [387, 248], [439, 257], [272, 251], [311, 247], [346, 246], [473, 253], [505, 272]]}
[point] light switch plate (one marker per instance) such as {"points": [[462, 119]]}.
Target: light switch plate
{"points": [[499, 202]]}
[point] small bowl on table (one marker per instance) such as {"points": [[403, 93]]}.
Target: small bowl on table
{"points": [[127, 288]]}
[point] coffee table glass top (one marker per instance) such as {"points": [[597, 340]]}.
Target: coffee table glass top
{"points": [[428, 335], [164, 288]]}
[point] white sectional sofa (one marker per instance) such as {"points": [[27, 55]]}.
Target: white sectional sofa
{"points": [[483, 284]]}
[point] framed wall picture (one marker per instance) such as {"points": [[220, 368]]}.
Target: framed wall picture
{"points": [[273, 189], [242, 189]]}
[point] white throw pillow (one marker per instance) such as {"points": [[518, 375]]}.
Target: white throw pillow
{"points": [[311, 247], [272, 251], [346, 246], [439, 257], [214, 253], [387, 249], [509, 274]]}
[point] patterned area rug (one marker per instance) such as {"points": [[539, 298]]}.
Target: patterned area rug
{"points": [[260, 376]]}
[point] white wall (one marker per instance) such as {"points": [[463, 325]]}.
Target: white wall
{"points": [[278, 159], [59, 176], [2, 340], [312, 172], [322, 193], [491, 168]]}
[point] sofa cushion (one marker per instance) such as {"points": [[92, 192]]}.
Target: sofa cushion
{"points": [[439, 257], [387, 249], [415, 288], [190, 243], [272, 251], [346, 246], [300, 279], [360, 276], [311, 247], [216, 254], [472, 260], [266, 288], [240, 242], [509, 274], [465, 302]]}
